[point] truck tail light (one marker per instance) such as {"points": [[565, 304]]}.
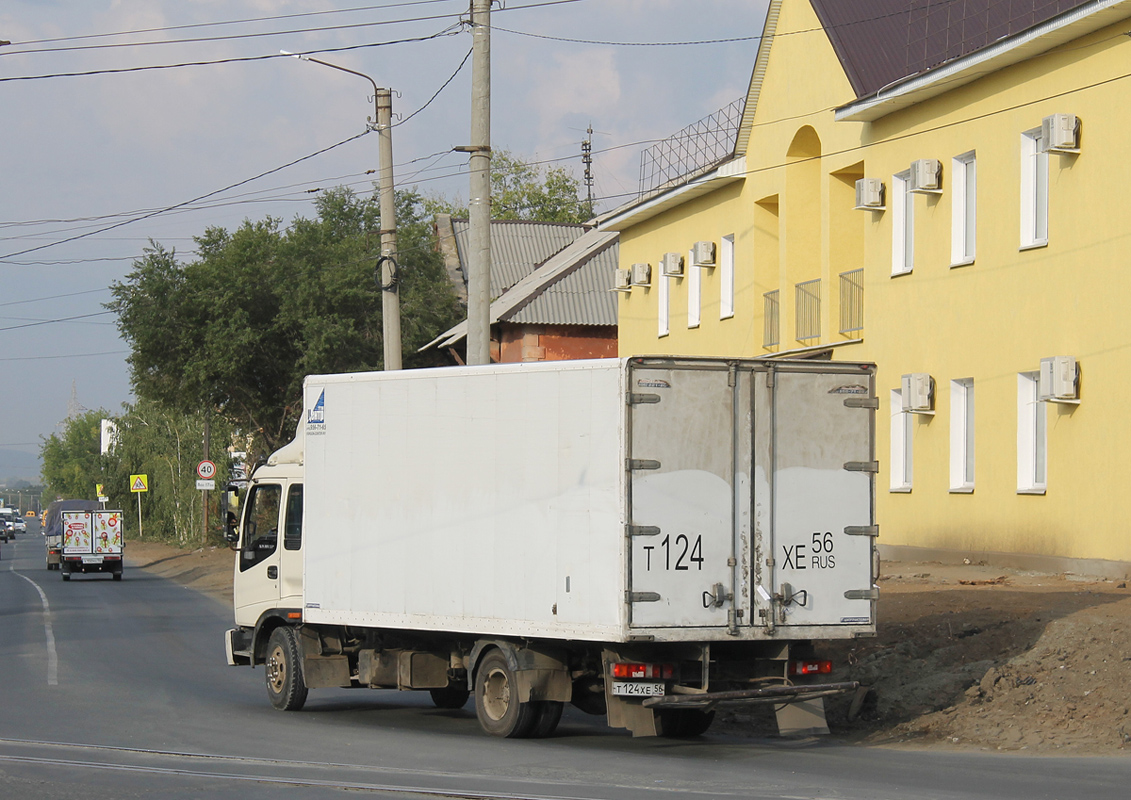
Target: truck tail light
{"points": [[810, 667], [644, 671]]}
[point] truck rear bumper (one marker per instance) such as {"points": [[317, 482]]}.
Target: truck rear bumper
{"points": [[768, 694]]}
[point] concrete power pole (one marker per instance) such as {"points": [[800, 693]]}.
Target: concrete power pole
{"points": [[389, 275], [479, 206]]}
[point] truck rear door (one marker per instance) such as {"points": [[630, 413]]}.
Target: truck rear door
{"points": [[815, 449], [681, 458]]}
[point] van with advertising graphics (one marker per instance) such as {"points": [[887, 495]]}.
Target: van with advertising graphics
{"points": [[644, 538]]}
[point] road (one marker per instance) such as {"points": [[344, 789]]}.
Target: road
{"points": [[120, 690]]}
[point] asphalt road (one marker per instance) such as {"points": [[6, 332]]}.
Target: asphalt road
{"points": [[120, 690]]}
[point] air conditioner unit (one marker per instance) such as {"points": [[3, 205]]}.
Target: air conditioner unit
{"points": [[926, 176], [1060, 133], [1059, 380], [703, 254], [918, 393], [641, 274], [672, 265], [870, 194], [623, 281]]}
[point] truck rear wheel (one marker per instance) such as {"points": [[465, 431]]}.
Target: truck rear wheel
{"points": [[496, 700], [450, 697], [285, 685], [549, 715]]}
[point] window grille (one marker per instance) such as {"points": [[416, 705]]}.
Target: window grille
{"points": [[852, 301], [808, 310], [770, 320]]}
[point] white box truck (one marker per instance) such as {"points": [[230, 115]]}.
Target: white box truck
{"points": [[644, 538]]}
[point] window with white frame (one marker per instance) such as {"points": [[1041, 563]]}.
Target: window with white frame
{"points": [[902, 224], [962, 435], [662, 292], [1032, 436], [963, 209], [694, 291], [726, 277], [1034, 190], [901, 460]]}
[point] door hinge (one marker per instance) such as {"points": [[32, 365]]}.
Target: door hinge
{"points": [[862, 466], [642, 530], [640, 398], [642, 597], [862, 594], [862, 402], [732, 562], [862, 530], [643, 463]]}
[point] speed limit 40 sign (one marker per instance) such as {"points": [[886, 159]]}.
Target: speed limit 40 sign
{"points": [[206, 470]]}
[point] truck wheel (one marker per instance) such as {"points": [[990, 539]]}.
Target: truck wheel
{"points": [[685, 723], [450, 697], [549, 715], [117, 576], [66, 575], [285, 686], [496, 700]]}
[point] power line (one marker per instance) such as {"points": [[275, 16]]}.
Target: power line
{"points": [[53, 297], [53, 321], [67, 355], [729, 40]]}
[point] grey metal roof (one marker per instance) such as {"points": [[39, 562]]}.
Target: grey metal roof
{"points": [[584, 299], [581, 297], [517, 248], [879, 42]]}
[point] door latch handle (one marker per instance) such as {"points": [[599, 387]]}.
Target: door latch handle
{"points": [[273, 573]]}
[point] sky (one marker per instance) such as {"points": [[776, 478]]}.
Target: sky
{"points": [[105, 147]]}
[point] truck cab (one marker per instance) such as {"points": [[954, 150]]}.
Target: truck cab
{"points": [[267, 583]]}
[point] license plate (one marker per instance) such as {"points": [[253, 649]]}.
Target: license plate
{"points": [[636, 689], [92, 559]]}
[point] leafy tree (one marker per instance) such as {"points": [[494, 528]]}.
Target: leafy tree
{"points": [[166, 445], [237, 329], [521, 190], [72, 460]]}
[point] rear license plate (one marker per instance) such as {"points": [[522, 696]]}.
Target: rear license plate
{"points": [[92, 559], [636, 689]]}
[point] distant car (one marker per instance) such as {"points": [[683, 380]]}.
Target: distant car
{"points": [[30, 514], [20, 525]]}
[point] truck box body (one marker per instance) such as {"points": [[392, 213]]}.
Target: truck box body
{"points": [[617, 500], [92, 541]]}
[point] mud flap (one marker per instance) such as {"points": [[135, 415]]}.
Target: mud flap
{"points": [[806, 718]]}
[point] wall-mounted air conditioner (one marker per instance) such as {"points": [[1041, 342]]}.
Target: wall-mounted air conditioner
{"points": [[926, 176], [1060, 133], [918, 393], [1059, 380], [623, 281], [641, 274], [703, 254], [672, 265], [870, 194]]}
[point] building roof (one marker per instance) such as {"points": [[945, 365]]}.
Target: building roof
{"points": [[517, 248], [573, 287], [880, 42]]}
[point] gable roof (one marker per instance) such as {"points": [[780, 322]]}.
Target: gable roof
{"points": [[573, 287], [880, 42], [518, 247]]}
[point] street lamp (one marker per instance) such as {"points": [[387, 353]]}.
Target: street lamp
{"points": [[382, 122]]}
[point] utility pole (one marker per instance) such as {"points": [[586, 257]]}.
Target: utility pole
{"points": [[387, 275], [587, 160], [389, 272], [479, 205]]}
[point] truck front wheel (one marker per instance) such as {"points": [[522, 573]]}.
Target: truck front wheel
{"points": [[496, 700], [285, 685]]}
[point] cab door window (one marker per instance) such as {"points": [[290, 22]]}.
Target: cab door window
{"points": [[261, 525], [292, 531]]}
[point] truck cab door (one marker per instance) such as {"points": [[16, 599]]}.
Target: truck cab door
{"points": [[256, 584], [290, 557]]}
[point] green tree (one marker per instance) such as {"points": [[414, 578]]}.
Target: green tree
{"points": [[72, 460], [166, 445], [522, 190], [237, 329]]}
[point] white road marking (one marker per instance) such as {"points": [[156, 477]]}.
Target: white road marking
{"points": [[52, 656]]}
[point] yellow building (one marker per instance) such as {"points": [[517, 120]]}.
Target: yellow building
{"points": [[936, 187]]}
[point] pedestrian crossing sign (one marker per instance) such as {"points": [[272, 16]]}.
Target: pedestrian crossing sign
{"points": [[139, 483]]}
